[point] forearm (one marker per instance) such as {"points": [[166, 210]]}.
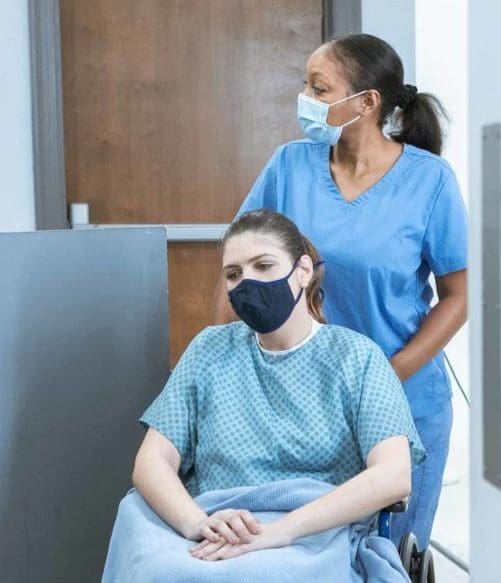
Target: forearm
{"points": [[221, 308], [363, 495], [160, 486], [439, 326]]}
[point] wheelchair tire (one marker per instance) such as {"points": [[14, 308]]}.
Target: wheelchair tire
{"points": [[410, 556], [426, 567]]}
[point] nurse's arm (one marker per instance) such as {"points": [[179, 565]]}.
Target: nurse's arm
{"points": [[386, 481], [439, 326], [221, 308]]}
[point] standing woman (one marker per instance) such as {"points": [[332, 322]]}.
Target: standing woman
{"points": [[384, 212]]}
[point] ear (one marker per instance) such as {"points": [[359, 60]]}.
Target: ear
{"points": [[370, 101], [305, 270]]}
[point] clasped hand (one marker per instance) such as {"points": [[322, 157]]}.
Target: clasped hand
{"points": [[230, 533]]}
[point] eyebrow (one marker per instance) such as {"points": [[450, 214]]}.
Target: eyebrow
{"points": [[252, 259], [320, 76]]}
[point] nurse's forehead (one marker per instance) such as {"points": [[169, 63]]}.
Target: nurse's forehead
{"points": [[321, 65]]}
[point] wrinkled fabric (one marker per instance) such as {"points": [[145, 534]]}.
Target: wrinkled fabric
{"points": [[143, 549], [240, 417]]}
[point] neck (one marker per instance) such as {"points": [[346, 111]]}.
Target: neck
{"points": [[360, 150], [296, 329]]}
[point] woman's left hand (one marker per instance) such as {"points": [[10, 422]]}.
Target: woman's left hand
{"points": [[272, 536]]}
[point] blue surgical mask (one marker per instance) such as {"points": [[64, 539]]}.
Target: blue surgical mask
{"points": [[312, 116], [264, 305]]}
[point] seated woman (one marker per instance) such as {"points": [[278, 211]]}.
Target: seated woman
{"points": [[273, 440]]}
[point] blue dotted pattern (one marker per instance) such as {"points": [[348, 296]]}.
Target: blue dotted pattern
{"points": [[240, 417]]}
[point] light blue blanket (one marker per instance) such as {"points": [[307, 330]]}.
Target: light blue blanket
{"points": [[143, 549]]}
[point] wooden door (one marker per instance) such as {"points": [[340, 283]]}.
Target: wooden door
{"points": [[171, 108]]}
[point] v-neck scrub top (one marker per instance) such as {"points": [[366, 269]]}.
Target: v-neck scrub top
{"points": [[378, 249]]}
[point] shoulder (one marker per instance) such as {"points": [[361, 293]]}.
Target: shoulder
{"points": [[216, 341], [428, 166], [423, 156], [356, 361], [298, 150], [345, 347]]}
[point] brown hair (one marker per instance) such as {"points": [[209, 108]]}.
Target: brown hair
{"points": [[269, 222]]}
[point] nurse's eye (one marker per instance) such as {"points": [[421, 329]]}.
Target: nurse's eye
{"points": [[318, 90]]}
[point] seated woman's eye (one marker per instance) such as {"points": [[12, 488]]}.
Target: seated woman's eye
{"points": [[264, 266], [318, 90], [231, 275]]}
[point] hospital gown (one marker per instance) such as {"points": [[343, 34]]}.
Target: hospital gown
{"points": [[241, 417], [269, 433]]}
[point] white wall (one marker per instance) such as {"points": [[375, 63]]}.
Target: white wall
{"points": [[393, 21], [441, 69], [17, 207], [416, 30], [484, 100]]}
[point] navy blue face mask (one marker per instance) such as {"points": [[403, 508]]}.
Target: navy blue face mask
{"points": [[264, 305]]}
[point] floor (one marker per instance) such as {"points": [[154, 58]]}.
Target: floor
{"points": [[447, 572]]}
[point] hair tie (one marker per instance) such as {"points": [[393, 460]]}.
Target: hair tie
{"points": [[407, 96]]}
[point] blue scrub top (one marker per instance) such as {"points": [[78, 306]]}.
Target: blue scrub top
{"points": [[379, 249]]}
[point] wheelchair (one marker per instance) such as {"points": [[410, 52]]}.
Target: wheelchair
{"points": [[418, 564]]}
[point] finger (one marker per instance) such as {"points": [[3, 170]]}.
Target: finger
{"points": [[251, 522], [210, 534], [201, 545], [240, 528], [225, 531], [210, 549], [223, 514], [225, 552], [207, 550]]}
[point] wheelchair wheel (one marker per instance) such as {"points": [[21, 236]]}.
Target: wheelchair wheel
{"points": [[426, 567], [410, 556]]}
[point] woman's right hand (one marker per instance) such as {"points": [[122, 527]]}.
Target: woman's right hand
{"points": [[235, 526]]}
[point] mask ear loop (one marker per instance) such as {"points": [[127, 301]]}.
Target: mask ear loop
{"points": [[316, 265], [349, 97], [296, 300]]}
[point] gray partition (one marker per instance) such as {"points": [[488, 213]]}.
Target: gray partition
{"points": [[83, 350], [491, 301]]}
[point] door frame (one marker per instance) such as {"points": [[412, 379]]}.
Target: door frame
{"points": [[47, 115], [339, 17]]}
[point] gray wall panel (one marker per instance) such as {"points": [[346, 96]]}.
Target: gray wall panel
{"points": [[83, 350], [491, 301]]}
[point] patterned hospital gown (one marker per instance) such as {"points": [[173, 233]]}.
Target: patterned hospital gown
{"points": [[241, 417]]}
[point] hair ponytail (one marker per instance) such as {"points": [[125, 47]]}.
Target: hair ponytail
{"points": [[368, 62], [314, 291], [419, 123]]}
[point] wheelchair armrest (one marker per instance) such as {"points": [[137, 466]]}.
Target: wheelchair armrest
{"points": [[397, 507]]}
